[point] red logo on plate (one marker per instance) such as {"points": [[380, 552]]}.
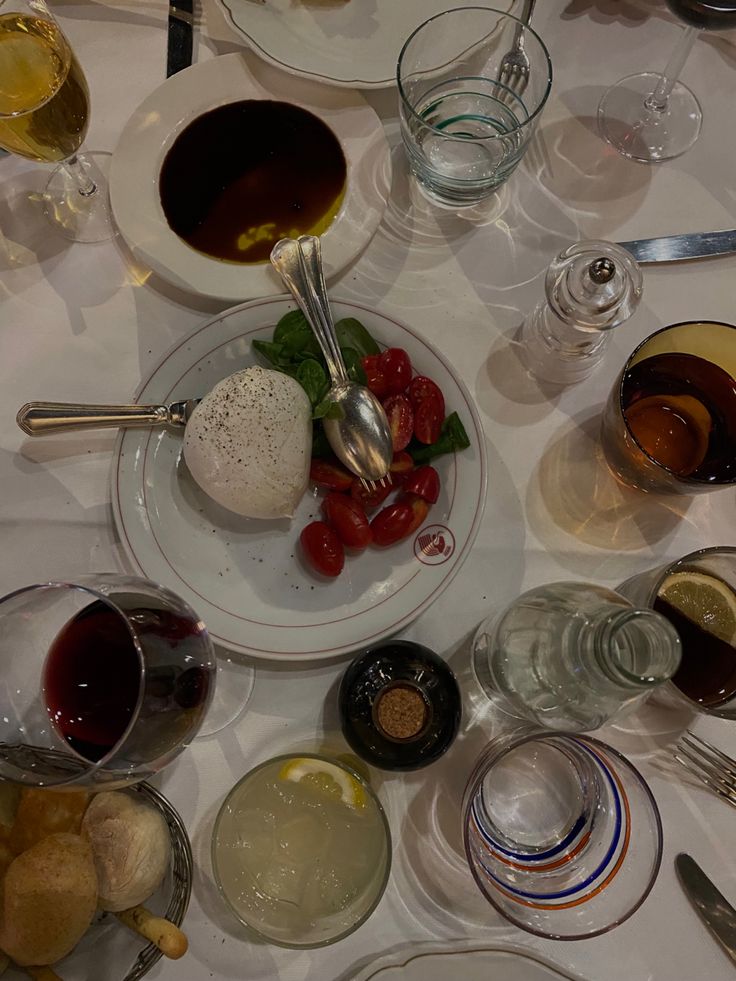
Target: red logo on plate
{"points": [[434, 544]]}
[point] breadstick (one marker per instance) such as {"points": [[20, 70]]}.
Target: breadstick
{"points": [[168, 938], [42, 974]]}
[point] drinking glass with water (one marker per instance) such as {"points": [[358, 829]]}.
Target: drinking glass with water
{"points": [[464, 130]]}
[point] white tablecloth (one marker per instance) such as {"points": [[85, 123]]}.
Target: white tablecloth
{"points": [[83, 323]]}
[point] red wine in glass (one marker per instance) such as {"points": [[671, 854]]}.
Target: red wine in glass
{"points": [[94, 684], [706, 15]]}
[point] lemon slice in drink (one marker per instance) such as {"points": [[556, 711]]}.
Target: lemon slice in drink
{"points": [[326, 777], [707, 601]]}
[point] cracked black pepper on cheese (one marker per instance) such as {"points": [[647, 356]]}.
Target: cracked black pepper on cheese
{"points": [[248, 443]]}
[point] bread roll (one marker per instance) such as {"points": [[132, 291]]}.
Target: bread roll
{"points": [[131, 846], [47, 900]]}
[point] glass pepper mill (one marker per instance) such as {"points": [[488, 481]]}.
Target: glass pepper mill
{"points": [[590, 288], [570, 655]]}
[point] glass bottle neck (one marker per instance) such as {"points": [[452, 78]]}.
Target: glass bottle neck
{"points": [[634, 649]]}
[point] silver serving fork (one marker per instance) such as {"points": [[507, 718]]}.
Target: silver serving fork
{"points": [[712, 767], [513, 71], [45, 418]]}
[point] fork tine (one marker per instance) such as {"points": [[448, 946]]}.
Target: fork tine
{"points": [[692, 740], [727, 795], [715, 771]]}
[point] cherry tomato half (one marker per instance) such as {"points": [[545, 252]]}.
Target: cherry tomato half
{"points": [[400, 420], [419, 510], [370, 500], [391, 524], [428, 418], [375, 375], [322, 548], [396, 367], [331, 474], [424, 482], [401, 466], [422, 388], [348, 519]]}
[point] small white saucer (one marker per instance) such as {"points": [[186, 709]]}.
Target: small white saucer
{"points": [[156, 123]]}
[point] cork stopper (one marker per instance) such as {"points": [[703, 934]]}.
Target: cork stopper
{"points": [[401, 712]]}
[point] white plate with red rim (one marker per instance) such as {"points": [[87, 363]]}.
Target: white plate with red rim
{"points": [[466, 959], [352, 43], [245, 577], [157, 122]]}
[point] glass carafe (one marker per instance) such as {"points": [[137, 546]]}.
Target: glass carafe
{"points": [[571, 655]]}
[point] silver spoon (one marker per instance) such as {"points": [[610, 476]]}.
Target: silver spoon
{"points": [[361, 438]]}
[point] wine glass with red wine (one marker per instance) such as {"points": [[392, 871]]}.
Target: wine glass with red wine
{"points": [[102, 682], [651, 117]]}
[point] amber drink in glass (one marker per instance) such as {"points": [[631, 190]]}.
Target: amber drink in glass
{"points": [[670, 422]]}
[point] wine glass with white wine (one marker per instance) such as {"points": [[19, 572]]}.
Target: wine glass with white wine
{"points": [[44, 113]]}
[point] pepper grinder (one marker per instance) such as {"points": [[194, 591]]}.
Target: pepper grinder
{"points": [[590, 288]]}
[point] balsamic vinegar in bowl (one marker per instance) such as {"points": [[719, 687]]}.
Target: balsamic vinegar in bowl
{"points": [[244, 175]]}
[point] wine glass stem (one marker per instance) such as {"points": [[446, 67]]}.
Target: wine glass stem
{"points": [[657, 101], [85, 185]]}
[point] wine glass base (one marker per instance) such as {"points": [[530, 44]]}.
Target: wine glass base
{"points": [[644, 134], [233, 688], [78, 217]]}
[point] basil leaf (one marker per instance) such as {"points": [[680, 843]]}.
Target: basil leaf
{"points": [[320, 444], [354, 368], [452, 437], [327, 409], [292, 321], [312, 377], [351, 333], [271, 352]]}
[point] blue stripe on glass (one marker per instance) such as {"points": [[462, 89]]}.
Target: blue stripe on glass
{"points": [[564, 893]]}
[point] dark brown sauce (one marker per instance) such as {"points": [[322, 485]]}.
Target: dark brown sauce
{"points": [[244, 175]]}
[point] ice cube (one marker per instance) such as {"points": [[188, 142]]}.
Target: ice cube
{"points": [[283, 882], [327, 891], [303, 840]]}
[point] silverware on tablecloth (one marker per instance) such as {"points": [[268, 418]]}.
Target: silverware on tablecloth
{"points": [[180, 36], [44, 418], [674, 248], [711, 906], [514, 68], [360, 435], [712, 767]]}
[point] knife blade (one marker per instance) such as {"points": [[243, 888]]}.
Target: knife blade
{"points": [[676, 248], [711, 906], [180, 41]]}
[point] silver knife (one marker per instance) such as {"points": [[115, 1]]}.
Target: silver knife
{"points": [[43, 418], [712, 907], [180, 36], [673, 248]]}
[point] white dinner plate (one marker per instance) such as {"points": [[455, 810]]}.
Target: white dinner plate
{"points": [[156, 123], [466, 960], [245, 577], [351, 43]]}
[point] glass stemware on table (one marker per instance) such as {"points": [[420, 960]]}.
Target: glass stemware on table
{"points": [[104, 681], [44, 115], [651, 117]]}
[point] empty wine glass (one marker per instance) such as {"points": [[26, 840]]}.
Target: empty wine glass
{"points": [[44, 114], [651, 117]]}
